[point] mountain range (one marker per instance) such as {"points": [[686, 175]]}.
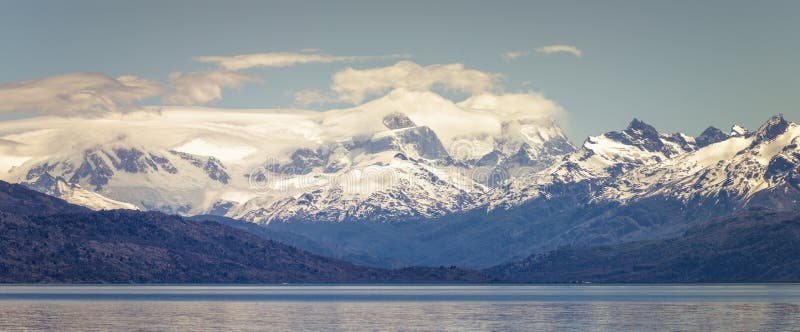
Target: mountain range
{"points": [[388, 184], [46, 240], [631, 185]]}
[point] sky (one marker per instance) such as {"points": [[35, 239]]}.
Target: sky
{"points": [[678, 65]]}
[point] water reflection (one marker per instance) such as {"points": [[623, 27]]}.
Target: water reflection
{"points": [[219, 315], [215, 315]]}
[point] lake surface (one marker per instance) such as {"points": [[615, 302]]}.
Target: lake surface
{"points": [[740, 307]]}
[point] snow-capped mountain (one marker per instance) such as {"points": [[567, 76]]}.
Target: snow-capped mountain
{"points": [[75, 194], [498, 187], [169, 181], [389, 159], [600, 158], [641, 163], [626, 186], [733, 171]]}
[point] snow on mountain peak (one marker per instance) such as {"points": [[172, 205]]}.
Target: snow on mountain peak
{"points": [[738, 130], [192, 160], [775, 126]]}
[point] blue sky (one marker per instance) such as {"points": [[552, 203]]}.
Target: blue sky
{"points": [[679, 65]]}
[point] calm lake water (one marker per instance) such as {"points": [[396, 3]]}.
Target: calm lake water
{"points": [[541, 307]]}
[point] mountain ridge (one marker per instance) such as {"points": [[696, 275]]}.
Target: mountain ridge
{"points": [[756, 245], [50, 241], [628, 185]]}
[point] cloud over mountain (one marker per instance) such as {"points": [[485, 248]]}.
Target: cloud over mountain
{"points": [[353, 86], [76, 94], [203, 87]]}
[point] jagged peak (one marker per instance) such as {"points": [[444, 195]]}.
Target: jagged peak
{"points": [[711, 130], [639, 125], [771, 129], [738, 130], [397, 120], [638, 134], [710, 136]]}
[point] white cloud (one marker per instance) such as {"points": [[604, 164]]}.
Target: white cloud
{"points": [[354, 85], [560, 48], [286, 59], [550, 49], [203, 87], [241, 134], [529, 105], [305, 98], [514, 55], [76, 94]]}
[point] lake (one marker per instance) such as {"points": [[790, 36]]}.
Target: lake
{"points": [[730, 307]]}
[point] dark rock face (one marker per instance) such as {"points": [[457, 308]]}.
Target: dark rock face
{"points": [[398, 121], [679, 139], [196, 161], [164, 163], [94, 168], [639, 134], [40, 170], [213, 167], [215, 170], [221, 208], [774, 127], [421, 140], [425, 142], [755, 245], [304, 161], [133, 160], [45, 183], [490, 159], [710, 136], [785, 166]]}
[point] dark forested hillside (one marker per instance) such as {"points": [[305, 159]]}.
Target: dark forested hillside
{"points": [[754, 245], [18, 199], [74, 245]]}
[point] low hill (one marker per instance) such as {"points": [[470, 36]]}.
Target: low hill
{"points": [[18, 199], [753, 245], [74, 245]]}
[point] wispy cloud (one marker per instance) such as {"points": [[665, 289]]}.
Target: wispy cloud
{"points": [[560, 48], [550, 49], [287, 59], [76, 94], [306, 98], [354, 85], [203, 87], [514, 55]]}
